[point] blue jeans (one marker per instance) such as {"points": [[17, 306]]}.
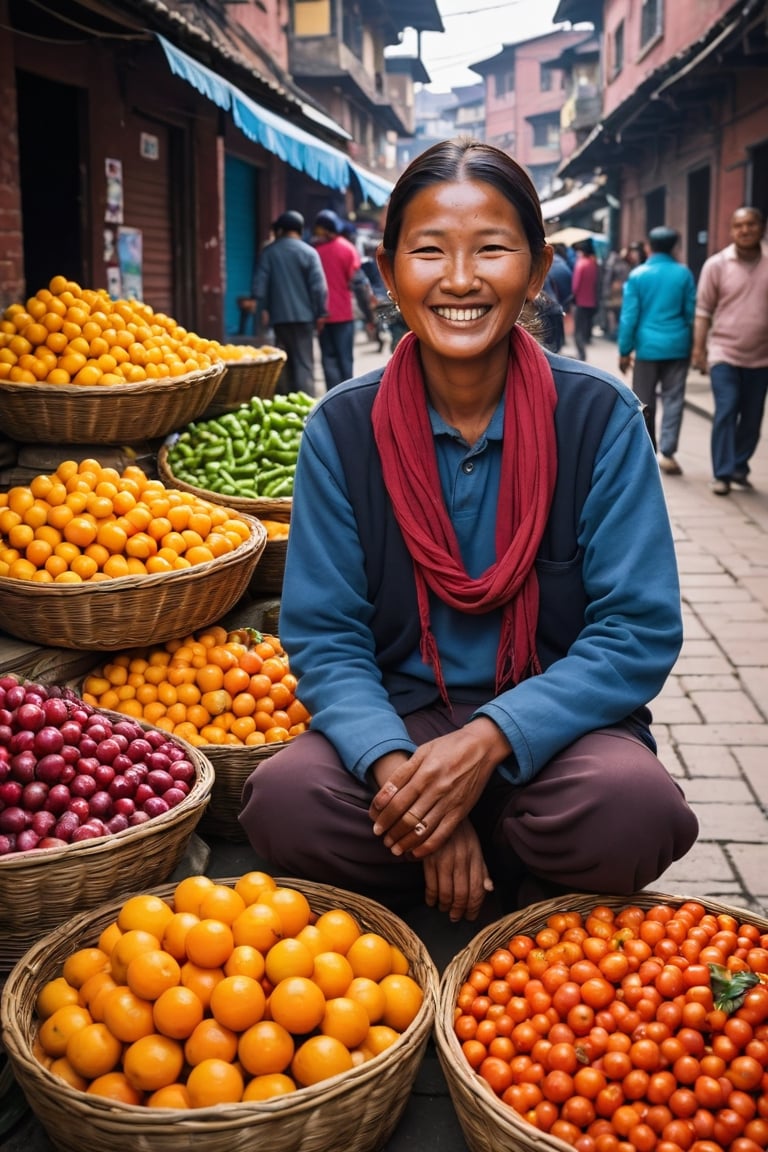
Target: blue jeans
{"points": [[337, 343], [671, 375], [739, 404]]}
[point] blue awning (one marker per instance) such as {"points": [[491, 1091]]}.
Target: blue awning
{"points": [[324, 163]]}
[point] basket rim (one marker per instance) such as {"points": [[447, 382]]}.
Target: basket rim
{"points": [[242, 1114], [250, 361], [199, 794], [452, 1059], [123, 584], [71, 391]]}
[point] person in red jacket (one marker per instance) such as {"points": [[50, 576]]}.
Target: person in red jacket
{"points": [[586, 295], [340, 261]]}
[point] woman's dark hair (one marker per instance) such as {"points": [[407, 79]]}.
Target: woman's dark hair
{"points": [[467, 159]]}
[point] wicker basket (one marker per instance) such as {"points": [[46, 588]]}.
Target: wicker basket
{"points": [[355, 1111], [40, 890], [246, 378], [270, 509], [232, 767], [130, 611], [118, 414], [487, 1123]]}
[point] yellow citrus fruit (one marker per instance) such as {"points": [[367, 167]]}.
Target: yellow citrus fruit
{"points": [[379, 1038], [93, 1050], [298, 1004], [189, 892], [56, 1031], [265, 1047], [210, 1039], [403, 999], [55, 994], [268, 1086], [339, 928], [251, 884], [370, 956], [147, 912], [245, 960], [115, 1086], [346, 1020], [177, 1012], [126, 1015], [130, 944], [209, 943], [237, 1002], [153, 1062], [258, 925], [214, 1081], [171, 1096], [150, 973], [221, 903], [82, 964], [288, 957], [332, 973], [291, 906]]}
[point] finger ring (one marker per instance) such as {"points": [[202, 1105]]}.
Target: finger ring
{"points": [[419, 827]]}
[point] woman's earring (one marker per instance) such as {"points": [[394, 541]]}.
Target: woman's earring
{"points": [[394, 302]]}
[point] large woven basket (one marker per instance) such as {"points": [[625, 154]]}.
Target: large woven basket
{"points": [[354, 1112], [487, 1123], [41, 889], [244, 379], [118, 414], [130, 611], [232, 767]]}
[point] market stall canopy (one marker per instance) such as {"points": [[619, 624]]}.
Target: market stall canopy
{"points": [[296, 147]]}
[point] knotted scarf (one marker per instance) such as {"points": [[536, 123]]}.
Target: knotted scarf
{"points": [[405, 442]]}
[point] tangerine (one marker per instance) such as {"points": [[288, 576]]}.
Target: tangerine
{"points": [[153, 1062], [214, 1081], [319, 1058], [266, 1047]]}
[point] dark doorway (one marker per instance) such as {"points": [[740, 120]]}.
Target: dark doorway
{"points": [[51, 188], [697, 238], [655, 207], [757, 191]]}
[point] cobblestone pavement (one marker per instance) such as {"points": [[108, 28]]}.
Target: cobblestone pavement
{"points": [[711, 721]]}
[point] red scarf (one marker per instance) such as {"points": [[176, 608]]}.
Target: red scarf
{"points": [[404, 438]]}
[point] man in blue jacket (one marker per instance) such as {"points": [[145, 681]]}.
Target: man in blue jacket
{"points": [[656, 324]]}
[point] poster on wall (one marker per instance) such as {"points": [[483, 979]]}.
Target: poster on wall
{"points": [[129, 252], [113, 210]]}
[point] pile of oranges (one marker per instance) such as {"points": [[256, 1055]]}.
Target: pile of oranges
{"points": [[85, 522], [220, 995], [66, 334], [214, 687]]}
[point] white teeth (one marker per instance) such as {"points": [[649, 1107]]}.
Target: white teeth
{"points": [[461, 313]]}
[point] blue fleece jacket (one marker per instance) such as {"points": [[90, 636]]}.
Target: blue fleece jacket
{"points": [[657, 309], [632, 630]]}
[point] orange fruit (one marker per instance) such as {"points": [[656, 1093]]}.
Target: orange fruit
{"points": [[210, 1039], [130, 944], [313, 938], [177, 1012], [109, 937], [189, 892], [288, 957], [55, 994], [379, 1038], [153, 1062], [93, 1050], [175, 934], [297, 1003], [214, 1081], [268, 1086], [94, 990], [151, 973], [400, 963], [245, 960], [62, 1068], [339, 928], [209, 943], [237, 1002], [403, 999], [346, 1020], [319, 1058], [258, 925], [145, 911], [221, 903], [370, 956], [370, 994], [56, 1031], [266, 1047], [291, 906], [171, 1096], [115, 1086], [332, 973], [201, 980], [126, 1015]]}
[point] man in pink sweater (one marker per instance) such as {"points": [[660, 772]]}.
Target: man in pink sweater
{"points": [[340, 261], [731, 339], [586, 295]]}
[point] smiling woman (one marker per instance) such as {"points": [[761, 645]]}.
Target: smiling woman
{"points": [[500, 595]]}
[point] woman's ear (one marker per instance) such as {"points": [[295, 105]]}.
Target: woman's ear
{"points": [[385, 268], [539, 272]]}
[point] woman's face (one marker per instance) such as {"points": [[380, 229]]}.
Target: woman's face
{"points": [[462, 270]]}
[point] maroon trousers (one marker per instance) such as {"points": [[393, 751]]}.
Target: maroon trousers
{"points": [[604, 815]]}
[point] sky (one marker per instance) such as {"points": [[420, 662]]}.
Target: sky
{"points": [[475, 30]]}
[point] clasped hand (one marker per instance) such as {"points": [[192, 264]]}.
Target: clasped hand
{"points": [[423, 805]]}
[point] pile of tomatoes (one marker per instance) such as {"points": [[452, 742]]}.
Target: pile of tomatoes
{"points": [[627, 1029]]}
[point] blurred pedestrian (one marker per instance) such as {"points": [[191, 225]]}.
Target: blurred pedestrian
{"points": [[586, 295], [656, 323], [290, 288], [340, 261], [731, 337]]}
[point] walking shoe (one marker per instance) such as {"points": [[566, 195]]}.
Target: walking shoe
{"points": [[742, 481], [669, 465], [720, 487]]}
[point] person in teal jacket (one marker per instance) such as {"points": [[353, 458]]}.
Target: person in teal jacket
{"points": [[656, 323], [481, 593]]}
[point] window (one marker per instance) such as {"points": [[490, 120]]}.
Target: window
{"points": [[651, 21], [546, 132], [505, 82], [546, 78], [617, 52]]}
